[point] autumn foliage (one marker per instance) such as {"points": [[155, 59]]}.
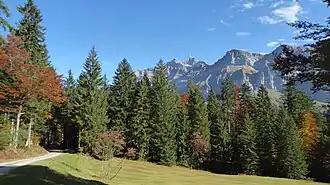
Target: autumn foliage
{"points": [[184, 98], [308, 131], [21, 81]]}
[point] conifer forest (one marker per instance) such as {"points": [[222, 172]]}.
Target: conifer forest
{"points": [[236, 131]]}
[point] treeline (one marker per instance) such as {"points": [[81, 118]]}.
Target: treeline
{"points": [[29, 85], [236, 131]]}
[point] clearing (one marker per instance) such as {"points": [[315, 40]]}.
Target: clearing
{"points": [[76, 169]]}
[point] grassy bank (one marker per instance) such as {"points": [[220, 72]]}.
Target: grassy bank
{"points": [[74, 169], [9, 154]]}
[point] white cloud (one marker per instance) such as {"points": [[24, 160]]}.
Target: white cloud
{"points": [[268, 20], [281, 40], [272, 44], [289, 13], [243, 33], [248, 5], [224, 23], [211, 29], [276, 4]]}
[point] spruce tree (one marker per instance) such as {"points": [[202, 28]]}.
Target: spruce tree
{"points": [[245, 104], [69, 112], [32, 33], [4, 13], [122, 93], [213, 108], [182, 132], [137, 129], [249, 159], [296, 102], [197, 111], [227, 104], [162, 127], [91, 103], [217, 129], [263, 118], [290, 156], [226, 127]]}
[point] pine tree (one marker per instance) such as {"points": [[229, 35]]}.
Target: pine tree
{"points": [[122, 93], [162, 127], [291, 157], [249, 159], [266, 134], [137, 129], [32, 33], [91, 103], [197, 111], [182, 131]]}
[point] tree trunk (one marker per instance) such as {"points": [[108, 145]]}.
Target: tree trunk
{"points": [[12, 133], [17, 125], [28, 140]]}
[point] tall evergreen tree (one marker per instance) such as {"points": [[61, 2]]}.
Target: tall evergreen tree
{"points": [[227, 102], [320, 168], [249, 159], [265, 126], [296, 102], [91, 103], [182, 132], [228, 127], [245, 103], [291, 157], [4, 13], [162, 127], [32, 33], [197, 111], [137, 129], [122, 93], [69, 112], [217, 129]]}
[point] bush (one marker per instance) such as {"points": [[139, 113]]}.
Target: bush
{"points": [[108, 144], [131, 153], [199, 150]]}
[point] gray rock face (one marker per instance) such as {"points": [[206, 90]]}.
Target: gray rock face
{"points": [[243, 67]]}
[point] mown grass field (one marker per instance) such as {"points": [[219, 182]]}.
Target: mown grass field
{"points": [[72, 169]]}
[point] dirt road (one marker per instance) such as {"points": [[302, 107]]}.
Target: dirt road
{"points": [[6, 167]]}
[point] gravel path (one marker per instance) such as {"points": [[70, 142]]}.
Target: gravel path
{"points": [[6, 167]]}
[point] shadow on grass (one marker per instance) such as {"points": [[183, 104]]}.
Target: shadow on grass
{"points": [[39, 175]]}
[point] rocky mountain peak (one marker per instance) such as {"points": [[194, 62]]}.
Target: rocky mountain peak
{"points": [[255, 69]]}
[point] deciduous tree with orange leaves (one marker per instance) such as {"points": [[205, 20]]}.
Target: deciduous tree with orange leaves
{"points": [[22, 83], [308, 131]]}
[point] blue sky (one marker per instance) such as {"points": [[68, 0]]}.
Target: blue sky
{"points": [[144, 31]]}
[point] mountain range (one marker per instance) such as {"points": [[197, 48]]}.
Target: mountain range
{"points": [[255, 69]]}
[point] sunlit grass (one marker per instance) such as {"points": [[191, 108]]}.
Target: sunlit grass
{"points": [[84, 170]]}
